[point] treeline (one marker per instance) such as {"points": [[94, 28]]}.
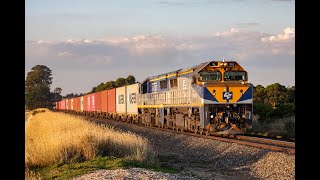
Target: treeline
{"points": [[273, 102], [105, 86]]}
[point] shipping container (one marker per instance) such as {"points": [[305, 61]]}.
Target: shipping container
{"points": [[71, 103], [67, 105], [104, 101], [111, 100], [121, 100], [85, 102], [57, 105], [76, 104], [63, 104], [131, 96], [97, 102], [81, 104], [91, 100]]}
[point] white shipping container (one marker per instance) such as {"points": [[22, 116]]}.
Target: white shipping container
{"points": [[132, 98], [67, 105], [72, 104], [81, 103], [121, 100]]}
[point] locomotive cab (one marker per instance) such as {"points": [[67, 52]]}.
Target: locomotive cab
{"points": [[227, 97]]}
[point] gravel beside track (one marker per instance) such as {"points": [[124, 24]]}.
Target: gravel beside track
{"points": [[132, 173], [200, 158]]}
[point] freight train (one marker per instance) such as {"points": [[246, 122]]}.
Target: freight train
{"points": [[210, 98]]}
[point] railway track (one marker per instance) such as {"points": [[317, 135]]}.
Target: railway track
{"points": [[275, 145], [265, 143]]}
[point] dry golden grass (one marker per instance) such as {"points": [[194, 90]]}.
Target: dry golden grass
{"points": [[53, 137], [42, 109], [30, 175], [27, 115]]}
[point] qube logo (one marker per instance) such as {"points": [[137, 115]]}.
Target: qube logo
{"points": [[227, 95]]}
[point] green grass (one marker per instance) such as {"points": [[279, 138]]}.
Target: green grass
{"points": [[72, 169]]}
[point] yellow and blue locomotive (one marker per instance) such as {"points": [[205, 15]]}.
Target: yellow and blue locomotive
{"points": [[210, 98]]}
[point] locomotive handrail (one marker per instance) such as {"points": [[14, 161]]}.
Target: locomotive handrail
{"points": [[167, 98]]}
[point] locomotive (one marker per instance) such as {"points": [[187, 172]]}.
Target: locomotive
{"points": [[213, 97]]}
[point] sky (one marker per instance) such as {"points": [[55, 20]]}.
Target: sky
{"points": [[86, 42]]}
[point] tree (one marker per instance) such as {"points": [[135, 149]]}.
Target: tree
{"points": [[276, 94], [259, 94], [263, 110], [130, 80], [291, 94], [101, 87], [93, 90], [37, 88], [110, 85], [71, 95], [57, 90], [120, 82], [56, 94], [283, 111]]}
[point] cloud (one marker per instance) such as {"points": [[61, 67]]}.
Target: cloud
{"points": [[64, 53], [227, 33], [142, 55], [288, 35], [234, 42], [281, 43]]}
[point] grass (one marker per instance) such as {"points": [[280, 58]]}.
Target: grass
{"points": [[280, 128], [69, 170], [59, 145]]}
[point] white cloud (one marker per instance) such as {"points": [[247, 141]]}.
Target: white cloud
{"points": [[288, 35], [87, 41], [43, 42], [190, 46], [64, 53], [227, 33]]}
